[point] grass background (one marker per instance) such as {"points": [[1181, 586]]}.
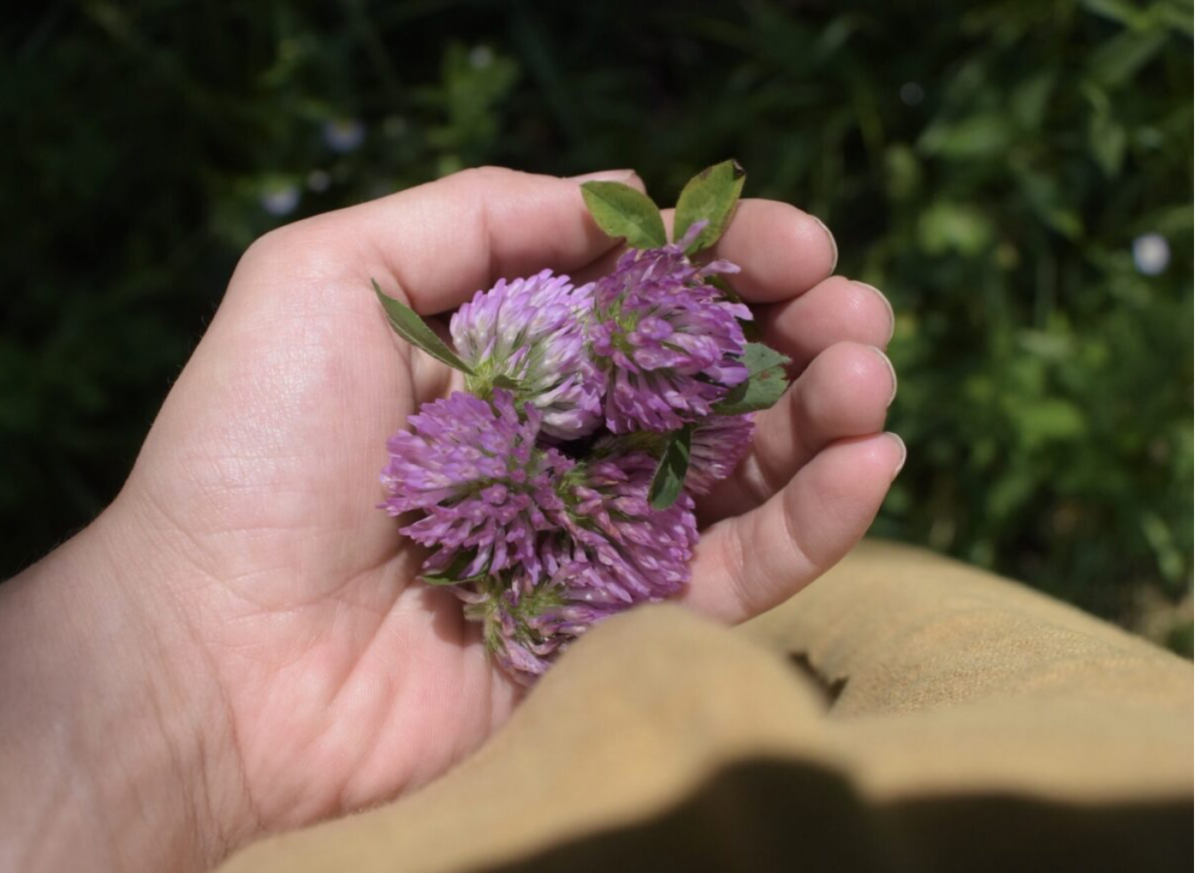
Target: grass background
{"points": [[989, 165]]}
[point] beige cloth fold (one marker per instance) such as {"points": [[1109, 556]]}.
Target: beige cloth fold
{"points": [[904, 713]]}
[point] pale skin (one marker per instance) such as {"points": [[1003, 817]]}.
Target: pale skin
{"points": [[238, 645]]}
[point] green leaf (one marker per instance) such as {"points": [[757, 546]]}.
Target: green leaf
{"points": [[946, 227], [710, 196], [758, 392], [1119, 11], [1044, 193], [751, 330], [766, 383], [452, 574], [1121, 57], [622, 211], [1031, 99], [1171, 560], [443, 578], [1047, 420], [981, 136], [413, 329], [759, 358], [667, 484], [1107, 139], [506, 382], [902, 172]]}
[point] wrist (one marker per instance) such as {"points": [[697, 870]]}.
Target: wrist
{"points": [[113, 734]]}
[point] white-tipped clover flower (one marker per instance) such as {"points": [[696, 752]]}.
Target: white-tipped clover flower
{"points": [[530, 331]]}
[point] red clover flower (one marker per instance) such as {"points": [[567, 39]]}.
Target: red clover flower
{"points": [[531, 331], [669, 341], [486, 488], [558, 488]]}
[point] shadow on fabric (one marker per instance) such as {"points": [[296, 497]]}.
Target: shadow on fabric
{"points": [[776, 817]]}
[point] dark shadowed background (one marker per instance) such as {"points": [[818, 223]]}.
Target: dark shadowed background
{"points": [[1015, 175]]}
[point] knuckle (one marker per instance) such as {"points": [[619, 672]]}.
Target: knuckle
{"points": [[304, 247], [267, 247], [737, 572], [488, 175]]}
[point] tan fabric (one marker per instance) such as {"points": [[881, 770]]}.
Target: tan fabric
{"points": [[904, 713]]}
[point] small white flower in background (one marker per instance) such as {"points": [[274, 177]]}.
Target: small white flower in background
{"points": [[319, 181], [1151, 254], [344, 134], [911, 93], [280, 200], [480, 57]]}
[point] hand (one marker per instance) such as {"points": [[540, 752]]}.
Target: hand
{"points": [[257, 615]]}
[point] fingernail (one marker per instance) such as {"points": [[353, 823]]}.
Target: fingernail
{"points": [[892, 370], [903, 452], [887, 303], [832, 242], [604, 176]]}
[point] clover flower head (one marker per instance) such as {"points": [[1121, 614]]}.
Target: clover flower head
{"points": [[526, 625], [531, 331], [613, 550], [487, 490], [718, 445], [620, 550], [668, 341], [535, 486]]}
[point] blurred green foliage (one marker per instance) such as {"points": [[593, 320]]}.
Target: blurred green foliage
{"points": [[988, 166]]}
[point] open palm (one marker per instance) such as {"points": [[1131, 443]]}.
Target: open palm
{"points": [[341, 681]]}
